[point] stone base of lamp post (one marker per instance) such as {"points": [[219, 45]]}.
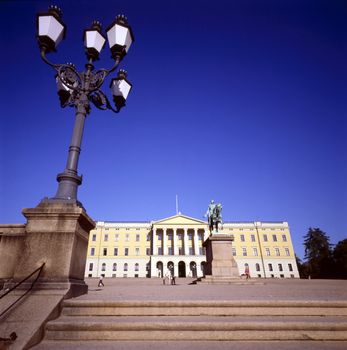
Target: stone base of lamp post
{"points": [[57, 235], [220, 263]]}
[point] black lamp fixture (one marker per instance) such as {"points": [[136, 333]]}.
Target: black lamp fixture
{"points": [[51, 29], [94, 41], [120, 37], [78, 89]]}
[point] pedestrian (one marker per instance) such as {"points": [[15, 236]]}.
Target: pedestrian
{"points": [[172, 275], [101, 283], [167, 276], [247, 272]]}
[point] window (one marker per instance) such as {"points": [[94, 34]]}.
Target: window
{"points": [[201, 251], [127, 237], [137, 238], [257, 267], [190, 236], [103, 267], [255, 251], [267, 251], [274, 238], [270, 268], [137, 251], [114, 267], [104, 252], [252, 238], [282, 276], [242, 238], [180, 251], [115, 251], [284, 238], [116, 237], [200, 237], [277, 251], [290, 267], [126, 251], [160, 237], [265, 238], [191, 251], [125, 267], [148, 237], [90, 266], [244, 251], [136, 267], [287, 251], [148, 251], [106, 228], [170, 251], [92, 251], [233, 251], [160, 251], [106, 237], [280, 268], [94, 237], [169, 237], [90, 275]]}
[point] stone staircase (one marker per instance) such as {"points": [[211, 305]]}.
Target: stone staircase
{"points": [[226, 321]]}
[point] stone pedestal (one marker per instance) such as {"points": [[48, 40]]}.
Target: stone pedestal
{"points": [[57, 235], [220, 265]]}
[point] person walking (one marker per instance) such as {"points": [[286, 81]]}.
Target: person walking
{"points": [[247, 272], [101, 283]]}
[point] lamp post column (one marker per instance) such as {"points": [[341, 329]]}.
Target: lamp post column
{"points": [[69, 179]]}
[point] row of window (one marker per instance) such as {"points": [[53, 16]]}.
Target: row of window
{"points": [[190, 237], [114, 267], [276, 251], [270, 267], [116, 237], [265, 238], [116, 251]]}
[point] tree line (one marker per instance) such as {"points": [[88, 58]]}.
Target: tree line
{"points": [[322, 260]]}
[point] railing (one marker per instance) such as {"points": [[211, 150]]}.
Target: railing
{"points": [[13, 335]]}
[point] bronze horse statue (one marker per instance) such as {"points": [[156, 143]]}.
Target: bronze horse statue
{"points": [[214, 215]]}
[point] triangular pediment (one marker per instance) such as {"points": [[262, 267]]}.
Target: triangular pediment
{"points": [[179, 220]]}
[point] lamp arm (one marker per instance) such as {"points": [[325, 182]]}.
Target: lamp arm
{"points": [[101, 101], [44, 58], [113, 68]]}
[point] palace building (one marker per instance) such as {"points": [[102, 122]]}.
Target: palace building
{"points": [[147, 249]]}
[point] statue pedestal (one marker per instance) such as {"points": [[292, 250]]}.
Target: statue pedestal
{"points": [[57, 235], [221, 265]]}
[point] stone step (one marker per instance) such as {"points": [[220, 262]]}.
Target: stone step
{"points": [[190, 345], [196, 328], [207, 308]]}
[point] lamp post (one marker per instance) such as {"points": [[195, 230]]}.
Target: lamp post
{"points": [[79, 89]]}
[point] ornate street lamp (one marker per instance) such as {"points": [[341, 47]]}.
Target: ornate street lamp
{"points": [[78, 89]]}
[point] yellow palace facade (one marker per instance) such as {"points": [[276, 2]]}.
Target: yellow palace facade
{"points": [[147, 249]]}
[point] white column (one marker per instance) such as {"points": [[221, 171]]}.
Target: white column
{"points": [[196, 242], [155, 250], [206, 234], [185, 242], [175, 242], [165, 250]]}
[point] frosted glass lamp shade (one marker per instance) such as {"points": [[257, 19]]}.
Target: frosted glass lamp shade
{"points": [[120, 37]]}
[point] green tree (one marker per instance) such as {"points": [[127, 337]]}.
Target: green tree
{"points": [[302, 267], [340, 259], [318, 254]]}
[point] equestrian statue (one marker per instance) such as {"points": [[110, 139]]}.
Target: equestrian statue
{"points": [[214, 215]]}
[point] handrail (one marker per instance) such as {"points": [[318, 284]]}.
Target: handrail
{"points": [[18, 284]]}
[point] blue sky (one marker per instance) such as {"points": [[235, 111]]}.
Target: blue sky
{"points": [[243, 102]]}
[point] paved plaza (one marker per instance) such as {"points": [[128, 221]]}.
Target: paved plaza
{"points": [[123, 289]]}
